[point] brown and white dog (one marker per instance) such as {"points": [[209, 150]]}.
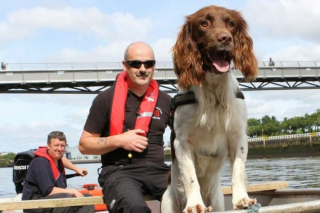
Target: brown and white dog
{"points": [[214, 127]]}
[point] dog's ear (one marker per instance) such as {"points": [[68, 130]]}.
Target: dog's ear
{"points": [[187, 59], [245, 60]]}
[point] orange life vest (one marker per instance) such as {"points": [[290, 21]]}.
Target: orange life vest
{"points": [[147, 105]]}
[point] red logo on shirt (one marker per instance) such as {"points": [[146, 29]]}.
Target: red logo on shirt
{"points": [[156, 113]]}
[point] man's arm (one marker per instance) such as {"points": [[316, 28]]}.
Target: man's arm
{"points": [[74, 192], [93, 144], [69, 165]]}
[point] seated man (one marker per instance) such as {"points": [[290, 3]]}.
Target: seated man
{"points": [[46, 176], [125, 126]]}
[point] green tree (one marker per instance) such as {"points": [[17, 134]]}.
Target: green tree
{"points": [[254, 127], [271, 126], [7, 159]]}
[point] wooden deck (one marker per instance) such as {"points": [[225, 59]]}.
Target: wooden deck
{"points": [[274, 197]]}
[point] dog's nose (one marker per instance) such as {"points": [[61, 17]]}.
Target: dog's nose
{"points": [[224, 38]]}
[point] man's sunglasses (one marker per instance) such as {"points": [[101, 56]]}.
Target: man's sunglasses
{"points": [[137, 64]]}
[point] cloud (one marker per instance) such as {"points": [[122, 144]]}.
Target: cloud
{"points": [[23, 136], [27, 119], [24, 23], [285, 29], [285, 18], [162, 48], [113, 52], [282, 103], [298, 53]]}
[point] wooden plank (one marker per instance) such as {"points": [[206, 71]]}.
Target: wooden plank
{"points": [[259, 187], [51, 203], [302, 207]]}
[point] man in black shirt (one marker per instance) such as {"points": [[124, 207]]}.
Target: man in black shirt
{"points": [[125, 126]]}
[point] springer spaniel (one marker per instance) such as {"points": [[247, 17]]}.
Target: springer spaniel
{"points": [[213, 128]]}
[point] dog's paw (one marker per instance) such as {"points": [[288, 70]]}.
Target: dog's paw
{"points": [[244, 203], [197, 209]]}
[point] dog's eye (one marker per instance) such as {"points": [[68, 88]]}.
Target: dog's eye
{"points": [[204, 23], [231, 24]]}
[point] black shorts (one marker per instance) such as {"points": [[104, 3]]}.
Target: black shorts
{"points": [[124, 186]]}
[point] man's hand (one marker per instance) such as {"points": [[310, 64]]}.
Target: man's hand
{"points": [[82, 171], [76, 193], [133, 140]]}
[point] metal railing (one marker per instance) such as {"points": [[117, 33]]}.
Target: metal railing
{"points": [[280, 137], [22, 77], [160, 64]]}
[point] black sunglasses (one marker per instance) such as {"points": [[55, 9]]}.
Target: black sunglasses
{"points": [[137, 64]]}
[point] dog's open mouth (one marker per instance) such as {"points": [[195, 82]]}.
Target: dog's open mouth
{"points": [[218, 61]]}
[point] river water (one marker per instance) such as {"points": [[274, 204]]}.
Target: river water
{"points": [[303, 172]]}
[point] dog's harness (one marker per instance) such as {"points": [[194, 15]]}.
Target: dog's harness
{"points": [[190, 98]]}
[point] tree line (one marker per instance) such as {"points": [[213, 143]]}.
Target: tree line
{"points": [[270, 126], [7, 159]]}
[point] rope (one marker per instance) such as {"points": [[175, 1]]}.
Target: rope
{"points": [[254, 208]]}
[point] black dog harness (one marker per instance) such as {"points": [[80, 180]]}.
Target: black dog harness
{"points": [[190, 98]]}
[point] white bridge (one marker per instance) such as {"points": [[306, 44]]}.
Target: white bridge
{"points": [[96, 77]]}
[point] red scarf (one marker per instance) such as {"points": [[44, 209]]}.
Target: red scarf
{"points": [[42, 152], [147, 105]]}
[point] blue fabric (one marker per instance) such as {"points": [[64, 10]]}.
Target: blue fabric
{"points": [[40, 174]]}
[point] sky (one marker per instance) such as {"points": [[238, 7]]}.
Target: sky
{"points": [[47, 31]]}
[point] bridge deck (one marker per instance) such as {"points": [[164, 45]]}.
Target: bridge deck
{"points": [[95, 77]]}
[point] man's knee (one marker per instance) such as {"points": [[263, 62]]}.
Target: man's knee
{"points": [[125, 203], [136, 207], [129, 206]]}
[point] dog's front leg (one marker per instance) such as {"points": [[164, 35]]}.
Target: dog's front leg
{"points": [[238, 155], [188, 177]]}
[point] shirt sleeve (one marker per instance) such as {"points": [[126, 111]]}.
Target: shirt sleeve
{"points": [[97, 120]]}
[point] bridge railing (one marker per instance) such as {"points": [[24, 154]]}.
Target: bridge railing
{"points": [[75, 66], [25, 73], [160, 64], [303, 135]]}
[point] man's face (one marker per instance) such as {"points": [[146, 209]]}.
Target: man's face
{"points": [[56, 148], [139, 74]]}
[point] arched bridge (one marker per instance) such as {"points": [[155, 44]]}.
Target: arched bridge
{"points": [[96, 77]]}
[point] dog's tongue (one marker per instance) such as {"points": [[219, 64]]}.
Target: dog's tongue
{"points": [[221, 65]]}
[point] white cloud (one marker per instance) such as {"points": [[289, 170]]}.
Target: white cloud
{"points": [[282, 103], [162, 49], [284, 30], [298, 53], [285, 19], [24, 23], [113, 52]]}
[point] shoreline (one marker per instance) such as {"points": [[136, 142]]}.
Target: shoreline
{"points": [[84, 161]]}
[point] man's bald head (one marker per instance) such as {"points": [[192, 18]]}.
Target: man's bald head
{"points": [[137, 46]]}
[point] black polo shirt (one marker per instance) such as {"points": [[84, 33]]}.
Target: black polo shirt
{"points": [[98, 121]]}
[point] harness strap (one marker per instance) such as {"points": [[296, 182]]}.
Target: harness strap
{"points": [[190, 98], [183, 98], [239, 94]]}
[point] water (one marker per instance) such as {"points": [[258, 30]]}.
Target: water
{"points": [[299, 172]]}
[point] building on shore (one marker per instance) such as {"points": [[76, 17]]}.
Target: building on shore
{"points": [[73, 153]]}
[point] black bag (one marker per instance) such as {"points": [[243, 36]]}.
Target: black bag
{"points": [[20, 167]]}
